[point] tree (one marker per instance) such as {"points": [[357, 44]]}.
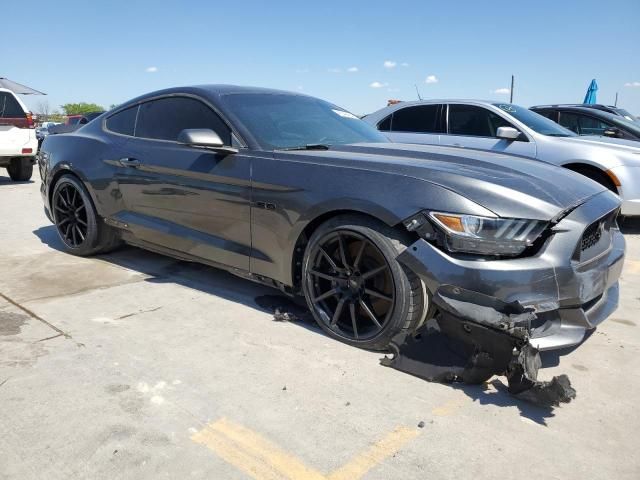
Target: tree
{"points": [[43, 111], [80, 108]]}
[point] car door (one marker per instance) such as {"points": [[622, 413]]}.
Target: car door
{"points": [[569, 120], [474, 126], [420, 124], [583, 124], [184, 198]]}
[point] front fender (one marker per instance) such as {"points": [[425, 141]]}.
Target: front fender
{"points": [[310, 192]]}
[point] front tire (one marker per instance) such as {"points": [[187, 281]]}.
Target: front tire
{"points": [[355, 288], [81, 230], [20, 169]]}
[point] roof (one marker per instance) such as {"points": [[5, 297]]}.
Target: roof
{"points": [[583, 105], [383, 112], [449, 100], [213, 89], [580, 108]]}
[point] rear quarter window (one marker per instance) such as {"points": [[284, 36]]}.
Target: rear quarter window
{"points": [[385, 125], [123, 122], [9, 106], [417, 119]]}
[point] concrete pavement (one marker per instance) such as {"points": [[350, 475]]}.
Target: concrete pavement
{"points": [[136, 366]]}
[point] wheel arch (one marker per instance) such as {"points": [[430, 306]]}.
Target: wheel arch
{"points": [[594, 172], [312, 225], [64, 169]]}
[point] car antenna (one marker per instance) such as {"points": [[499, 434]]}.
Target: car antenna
{"points": [[417, 91]]}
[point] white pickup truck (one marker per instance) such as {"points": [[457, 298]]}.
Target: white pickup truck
{"points": [[18, 142]]}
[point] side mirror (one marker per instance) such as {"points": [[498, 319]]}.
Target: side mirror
{"points": [[508, 133], [204, 138], [612, 132]]}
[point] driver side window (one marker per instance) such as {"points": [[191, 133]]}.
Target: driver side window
{"points": [[592, 126], [474, 121], [165, 118]]}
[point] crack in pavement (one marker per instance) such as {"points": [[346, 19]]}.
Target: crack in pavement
{"points": [[39, 318], [139, 313], [49, 338]]}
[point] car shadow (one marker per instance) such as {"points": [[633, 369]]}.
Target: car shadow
{"points": [[162, 269], [7, 181], [494, 392], [499, 395]]}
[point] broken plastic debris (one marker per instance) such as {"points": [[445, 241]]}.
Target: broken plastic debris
{"points": [[284, 308], [474, 337]]}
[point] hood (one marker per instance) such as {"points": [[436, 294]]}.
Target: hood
{"points": [[619, 144], [509, 186]]}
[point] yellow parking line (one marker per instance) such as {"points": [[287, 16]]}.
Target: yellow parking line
{"points": [[449, 407], [261, 448], [261, 459], [231, 454], [374, 455]]}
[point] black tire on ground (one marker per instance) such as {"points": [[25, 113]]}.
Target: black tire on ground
{"points": [[20, 169], [343, 255], [82, 231]]}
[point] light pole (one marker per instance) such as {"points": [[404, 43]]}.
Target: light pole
{"points": [[511, 91]]}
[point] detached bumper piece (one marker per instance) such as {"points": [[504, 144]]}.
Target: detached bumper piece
{"points": [[474, 337]]}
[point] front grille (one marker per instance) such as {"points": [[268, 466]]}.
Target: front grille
{"points": [[592, 235], [596, 238]]}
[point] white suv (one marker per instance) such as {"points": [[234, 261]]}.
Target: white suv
{"points": [[18, 142]]}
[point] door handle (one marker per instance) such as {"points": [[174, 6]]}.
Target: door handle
{"points": [[129, 162]]}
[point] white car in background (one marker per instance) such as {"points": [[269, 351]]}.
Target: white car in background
{"points": [[507, 128], [18, 142]]}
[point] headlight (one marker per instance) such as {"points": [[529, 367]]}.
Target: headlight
{"points": [[486, 235]]}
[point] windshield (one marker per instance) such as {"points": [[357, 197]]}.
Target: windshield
{"points": [[534, 121], [624, 113], [279, 121], [630, 125]]}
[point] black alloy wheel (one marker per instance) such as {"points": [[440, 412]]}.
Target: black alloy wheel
{"points": [[79, 226], [71, 215], [350, 285]]}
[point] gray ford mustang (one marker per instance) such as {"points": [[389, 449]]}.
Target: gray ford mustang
{"points": [[295, 192]]}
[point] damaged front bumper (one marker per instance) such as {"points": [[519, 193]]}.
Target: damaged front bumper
{"points": [[473, 338], [570, 291]]}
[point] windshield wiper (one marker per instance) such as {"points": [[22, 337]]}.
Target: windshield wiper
{"points": [[308, 146]]}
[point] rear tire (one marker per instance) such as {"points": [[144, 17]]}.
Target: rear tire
{"points": [[81, 230], [20, 169], [355, 288]]}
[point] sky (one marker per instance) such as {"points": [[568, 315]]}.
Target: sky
{"points": [[356, 54]]}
